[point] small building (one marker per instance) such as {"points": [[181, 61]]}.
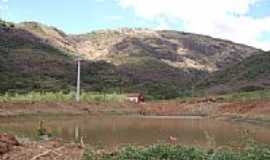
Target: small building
{"points": [[135, 97]]}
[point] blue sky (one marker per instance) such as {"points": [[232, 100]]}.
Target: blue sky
{"points": [[75, 16], [244, 21]]}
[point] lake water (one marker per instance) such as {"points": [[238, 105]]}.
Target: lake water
{"points": [[112, 131]]}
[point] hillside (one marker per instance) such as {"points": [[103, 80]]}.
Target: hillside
{"points": [[27, 64], [163, 64], [177, 49], [49, 35], [251, 74]]}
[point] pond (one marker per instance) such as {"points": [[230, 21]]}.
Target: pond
{"points": [[112, 131]]}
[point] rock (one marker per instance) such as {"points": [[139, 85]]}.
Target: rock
{"points": [[3, 148], [9, 139]]}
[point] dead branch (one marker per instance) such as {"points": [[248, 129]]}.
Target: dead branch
{"points": [[48, 152]]}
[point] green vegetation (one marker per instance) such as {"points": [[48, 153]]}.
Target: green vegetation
{"points": [[61, 97], [156, 79], [251, 74], [115, 97], [232, 97], [6, 24], [247, 96], [29, 64], [177, 152]]}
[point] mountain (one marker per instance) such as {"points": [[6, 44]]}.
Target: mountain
{"points": [[177, 49], [253, 73], [163, 64]]}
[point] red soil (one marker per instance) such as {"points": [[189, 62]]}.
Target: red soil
{"points": [[256, 107]]}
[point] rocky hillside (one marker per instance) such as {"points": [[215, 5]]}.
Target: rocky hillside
{"points": [[164, 64], [49, 35], [177, 49]]}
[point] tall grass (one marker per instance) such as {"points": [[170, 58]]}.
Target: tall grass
{"points": [[62, 97]]}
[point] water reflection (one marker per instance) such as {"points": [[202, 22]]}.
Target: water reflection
{"points": [[113, 131]]}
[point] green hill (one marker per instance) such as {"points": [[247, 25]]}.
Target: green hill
{"points": [[27, 64]]}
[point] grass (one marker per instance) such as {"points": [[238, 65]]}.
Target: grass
{"points": [[61, 97], [177, 152], [115, 97], [247, 96], [233, 97]]}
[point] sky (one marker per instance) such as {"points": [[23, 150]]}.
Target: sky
{"points": [[242, 21]]}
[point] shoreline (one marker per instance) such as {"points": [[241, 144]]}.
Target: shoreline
{"points": [[256, 112]]}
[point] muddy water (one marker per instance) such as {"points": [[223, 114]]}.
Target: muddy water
{"points": [[111, 131]]}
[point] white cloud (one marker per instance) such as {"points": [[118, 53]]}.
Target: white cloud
{"points": [[3, 7], [2, 4], [219, 18]]}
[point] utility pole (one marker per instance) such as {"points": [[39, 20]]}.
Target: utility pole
{"points": [[78, 79]]}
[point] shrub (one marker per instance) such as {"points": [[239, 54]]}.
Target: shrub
{"points": [[177, 152]]}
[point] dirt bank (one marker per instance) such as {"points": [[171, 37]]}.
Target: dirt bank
{"points": [[30, 108], [44, 151], [256, 110]]}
